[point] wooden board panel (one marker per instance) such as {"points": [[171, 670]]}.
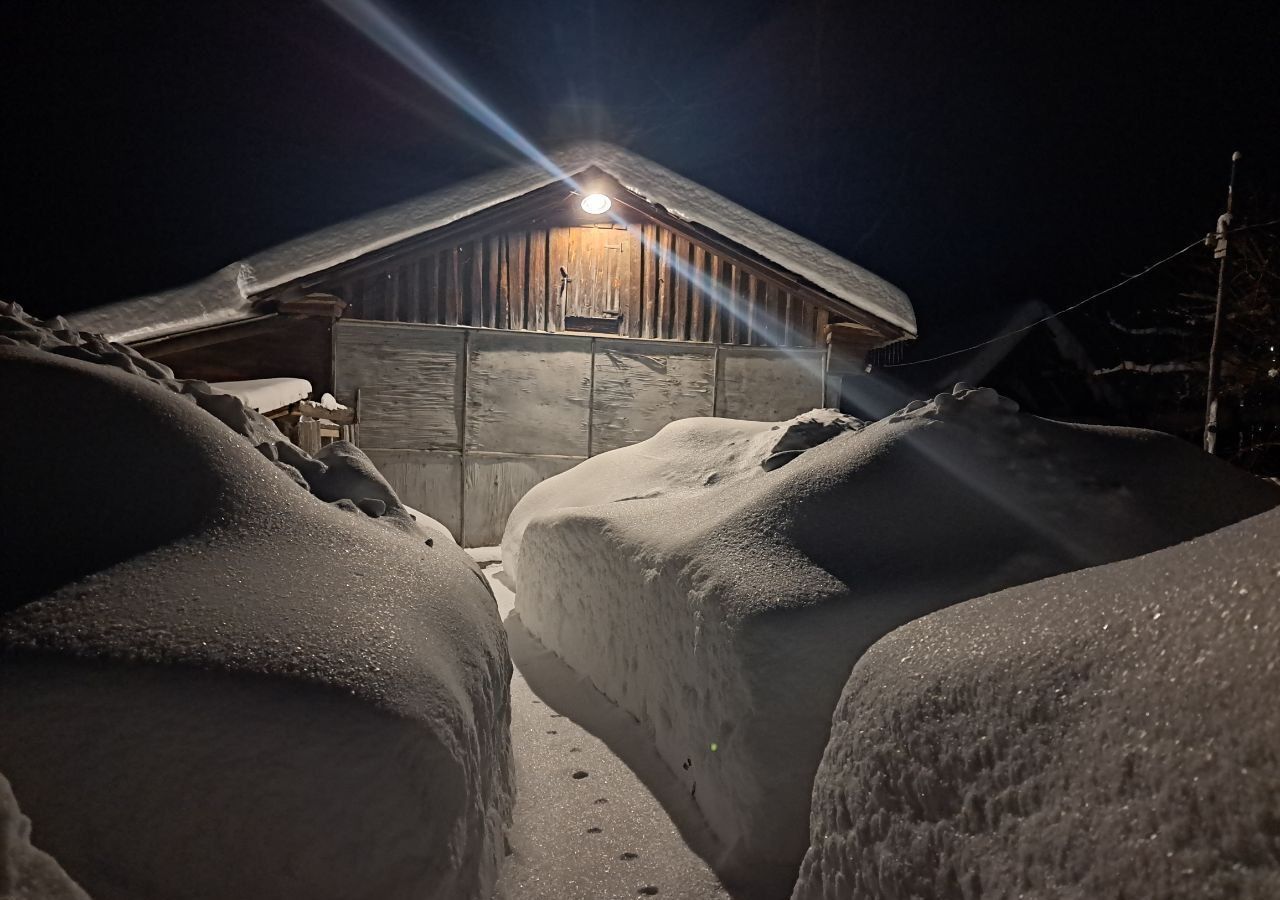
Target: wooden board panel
{"points": [[528, 393], [538, 280], [680, 271], [642, 386], [711, 296], [473, 307], [558, 263], [633, 311], [452, 286], [492, 274], [768, 385], [494, 485], [649, 281], [663, 287], [430, 481], [518, 265], [407, 377]]}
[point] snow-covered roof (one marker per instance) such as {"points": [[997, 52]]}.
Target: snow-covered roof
{"points": [[227, 295]]}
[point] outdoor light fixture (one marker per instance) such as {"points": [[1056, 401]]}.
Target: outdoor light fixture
{"points": [[596, 204]]}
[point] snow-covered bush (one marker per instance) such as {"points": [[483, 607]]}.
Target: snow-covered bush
{"points": [[719, 581], [1106, 733]]}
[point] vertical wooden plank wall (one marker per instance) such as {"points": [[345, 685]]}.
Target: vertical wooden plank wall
{"points": [[659, 282]]}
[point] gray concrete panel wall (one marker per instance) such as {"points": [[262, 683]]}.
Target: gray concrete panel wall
{"points": [[427, 480], [463, 422], [767, 385], [493, 485], [528, 392], [640, 386], [408, 378]]}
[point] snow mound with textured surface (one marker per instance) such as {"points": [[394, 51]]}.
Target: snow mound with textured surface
{"points": [[1106, 733], [722, 600], [215, 685], [27, 873]]}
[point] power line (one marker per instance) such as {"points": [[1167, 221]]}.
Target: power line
{"points": [[1073, 306]]}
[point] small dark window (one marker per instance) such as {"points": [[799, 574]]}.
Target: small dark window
{"points": [[594, 324]]}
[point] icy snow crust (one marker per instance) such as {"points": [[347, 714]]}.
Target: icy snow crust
{"points": [[1106, 733], [213, 684], [27, 873], [723, 606], [227, 295]]}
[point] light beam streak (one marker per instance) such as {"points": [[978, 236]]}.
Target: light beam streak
{"points": [[394, 38], [382, 28]]}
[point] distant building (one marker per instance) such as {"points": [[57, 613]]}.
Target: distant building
{"points": [[502, 330]]}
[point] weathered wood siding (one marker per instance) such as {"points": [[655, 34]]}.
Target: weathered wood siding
{"points": [[658, 282]]}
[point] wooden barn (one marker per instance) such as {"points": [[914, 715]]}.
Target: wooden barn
{"points": [[498, 332]]}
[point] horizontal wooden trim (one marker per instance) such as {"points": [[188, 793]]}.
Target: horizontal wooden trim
{"points": [[209, 335]]}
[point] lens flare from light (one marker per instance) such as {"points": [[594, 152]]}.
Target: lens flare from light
{"points": [[595, 204], [373, 19]]}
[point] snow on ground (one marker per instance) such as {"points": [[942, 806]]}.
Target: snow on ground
{"points": [[214, 685], [1106, 733], [718, 585], [597, 836], [265, 394], [27, 873]]}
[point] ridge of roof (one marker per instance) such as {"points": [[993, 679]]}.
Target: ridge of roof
{"points": [[227, 295]]}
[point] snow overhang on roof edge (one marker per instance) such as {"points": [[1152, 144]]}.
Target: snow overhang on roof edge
{"points": [[226, 296]]}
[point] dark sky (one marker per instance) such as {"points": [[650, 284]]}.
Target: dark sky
{"points": [[975, 154]]}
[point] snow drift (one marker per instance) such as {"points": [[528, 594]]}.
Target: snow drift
{"points": [[215, 685], [1111, 732], [27, 873], [719, 581]]}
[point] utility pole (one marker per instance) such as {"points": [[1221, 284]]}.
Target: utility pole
{"points": [[1219, 242]]}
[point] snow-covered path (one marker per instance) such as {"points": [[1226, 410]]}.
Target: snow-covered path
{"points": [[585, 827]]}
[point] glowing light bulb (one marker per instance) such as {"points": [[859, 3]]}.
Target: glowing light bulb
{"points": [[596, 204]]}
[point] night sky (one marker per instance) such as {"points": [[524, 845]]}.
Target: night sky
{"points": [[977, 155]]}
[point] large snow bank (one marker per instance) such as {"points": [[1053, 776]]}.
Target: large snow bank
{"points": [[1106, 733], [340, 473], [215, 685], [722, 600], [27, 873]]}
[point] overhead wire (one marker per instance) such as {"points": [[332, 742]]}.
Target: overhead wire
{"points": [[1077, 305]]}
